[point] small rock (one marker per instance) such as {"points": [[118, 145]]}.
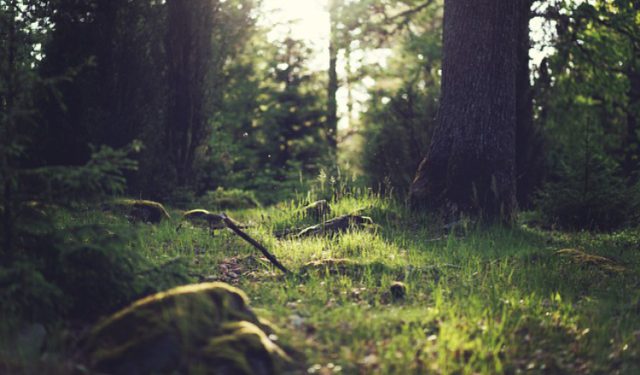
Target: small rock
{"points": [[398, 290], [370, 360], [296, 320]]}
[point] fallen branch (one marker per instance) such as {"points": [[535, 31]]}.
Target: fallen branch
{"points": [[231, 225]]}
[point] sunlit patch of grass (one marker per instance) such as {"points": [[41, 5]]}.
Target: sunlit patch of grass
{"points": [[489, 300]]}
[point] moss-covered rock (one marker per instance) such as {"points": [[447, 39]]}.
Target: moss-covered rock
{"points": [[241, 348], [138, 210], [174, 330], [337, 225], [204, 218]]}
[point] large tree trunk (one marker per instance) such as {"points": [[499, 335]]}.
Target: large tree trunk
{"points": [[470, 165]]}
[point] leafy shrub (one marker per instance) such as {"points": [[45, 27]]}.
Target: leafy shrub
{"points": [[79, 272], [52, 270], [26, 293]]}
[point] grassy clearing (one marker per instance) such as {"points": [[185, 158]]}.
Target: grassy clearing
{"points": [[478, 301]]}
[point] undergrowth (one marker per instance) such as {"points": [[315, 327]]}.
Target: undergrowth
{"points": [[490, 300]]}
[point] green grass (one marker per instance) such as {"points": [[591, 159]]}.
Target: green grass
{"points": [[482, 301], [490, 300]]}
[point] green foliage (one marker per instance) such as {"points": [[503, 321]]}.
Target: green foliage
{"points": [[53, 269], [128, 84], [483, 301], [589, 195], [270, 134], [587, 101], [490, 300], [403, 104], [104, 174], [78, 267], [397, 134], [28, 295]]}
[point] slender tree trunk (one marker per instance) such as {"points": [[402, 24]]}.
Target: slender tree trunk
{"points": [[632, 140], [470, 165], [529, 141], [188, 44], [332, 89], [8, 131]]}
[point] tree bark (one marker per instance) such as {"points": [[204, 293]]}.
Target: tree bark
{"points": [[470, 166]]}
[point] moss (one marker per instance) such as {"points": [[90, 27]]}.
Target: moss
{"points": [[582, 258], [164, 331], [243, 349], [140, 210], [204, 218], [337, 225]]}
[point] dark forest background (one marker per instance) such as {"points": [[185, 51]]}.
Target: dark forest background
{"points": [[208, 102], [108, 107]]}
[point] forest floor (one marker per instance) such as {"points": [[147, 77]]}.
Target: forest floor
{"points": [[489, 300]]}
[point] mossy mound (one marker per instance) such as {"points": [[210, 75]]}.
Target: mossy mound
{"points": [[585, 259], [139, 210], [204, 218], [176, 331], [337, 225], [241, 348]]}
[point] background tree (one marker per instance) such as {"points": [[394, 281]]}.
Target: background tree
{"points": [[586, 103], [122, 89], [470, 166], [278, 107], [400, 114], [332, 86], [530, 142], [189, 52], [128, 70], [20, 30]]}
